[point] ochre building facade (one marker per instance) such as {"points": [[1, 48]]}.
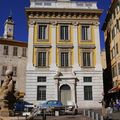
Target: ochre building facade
{"points": [[64, 61]]}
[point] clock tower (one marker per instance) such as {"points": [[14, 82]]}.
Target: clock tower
{"points": [[9, 28]]}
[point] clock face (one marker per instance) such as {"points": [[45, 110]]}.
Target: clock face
{"points": [[9, 29]]}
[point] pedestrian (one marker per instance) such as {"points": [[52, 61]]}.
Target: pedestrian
{"points": [[104, 109], [109, 112]]}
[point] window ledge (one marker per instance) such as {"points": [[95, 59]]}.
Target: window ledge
{"points": [[87, 67], [88, 100], [65, 66], [86, 40], [62, 40], [43, 40], [42, 66]]}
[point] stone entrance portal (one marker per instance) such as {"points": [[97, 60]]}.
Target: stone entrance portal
{"points": [[65, 94]]}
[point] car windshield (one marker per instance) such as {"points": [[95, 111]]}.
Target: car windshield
{"points": [[52, 102]]}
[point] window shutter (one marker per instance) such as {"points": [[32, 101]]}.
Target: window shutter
{"points": [[89, 33], [47, 58], [69, 32], [47, 32]]}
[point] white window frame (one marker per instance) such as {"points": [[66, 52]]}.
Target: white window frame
{"points": [[41, 78], [4, 68], [46, 32], [91, 58], [90, 93], [40, 98], [24, 52], [15, 51], [87, 34], [14, 68], [64, 39], [119, 68], [69, 58], [6, 50], [47, 58]]}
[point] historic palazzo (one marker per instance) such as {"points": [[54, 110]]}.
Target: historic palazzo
{"points": [[64, 60]]}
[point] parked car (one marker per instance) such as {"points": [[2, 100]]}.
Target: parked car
{"points": [[53, 105], [71, 108], [22, 106]]}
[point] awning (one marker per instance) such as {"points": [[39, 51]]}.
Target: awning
{"points": [[114, 89]]}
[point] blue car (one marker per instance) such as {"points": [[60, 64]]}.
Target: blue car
{"points": [[22, 106], [53, 105]]}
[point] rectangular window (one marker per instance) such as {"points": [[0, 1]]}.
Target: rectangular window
{"points": [[86, 33], [41, 79], [5, 51], [64, 32], [14, 71], [117, 25], [117, 51], [87, 79], [15, 51], [114, 71], [86, 59], [42, 32], [47, 4], [24, 52], [114, 31], [119, 68], [41, 93], [42, 59], [4, 68], [113, 52], [88, 93], [64, 59]]}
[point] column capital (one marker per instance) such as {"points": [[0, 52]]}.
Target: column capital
{"points": [[75, 23], [31, 23], [96, 23], [54, 23]]}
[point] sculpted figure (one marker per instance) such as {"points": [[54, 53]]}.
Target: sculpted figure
{"points": [[8, 95]]}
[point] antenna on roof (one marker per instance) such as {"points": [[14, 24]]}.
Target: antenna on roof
{"points": [[10, 12]]}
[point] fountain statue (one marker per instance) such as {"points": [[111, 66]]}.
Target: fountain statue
{"points": [[8, 95]]}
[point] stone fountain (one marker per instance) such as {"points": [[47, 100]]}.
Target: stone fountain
{"points": [[8, 95]]}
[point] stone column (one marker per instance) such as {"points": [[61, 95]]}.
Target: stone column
{"points": [[72, 85], [30, 46], [56, 89], [97, 40], [53, 66], [75, 44]]}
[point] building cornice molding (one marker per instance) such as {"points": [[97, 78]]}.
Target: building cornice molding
{"points": [[13, 42], [61, 14], [60, 21]]}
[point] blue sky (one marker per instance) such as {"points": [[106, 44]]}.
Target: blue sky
{"points": [[18, 13]]}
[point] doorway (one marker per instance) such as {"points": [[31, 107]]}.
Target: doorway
{"points": [[65, 94]]}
